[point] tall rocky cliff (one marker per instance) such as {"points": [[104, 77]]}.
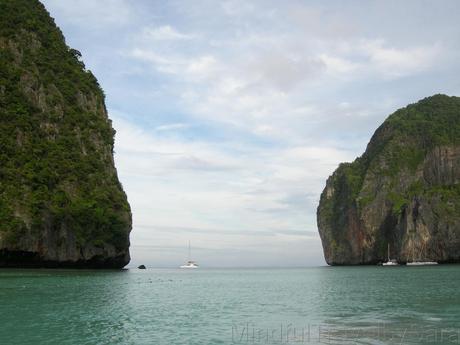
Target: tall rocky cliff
{"points": [[61, 204], [404, 191]]}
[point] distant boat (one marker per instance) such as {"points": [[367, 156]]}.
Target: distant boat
{"points": [[190, 263], [419, 262], [389, 261]]}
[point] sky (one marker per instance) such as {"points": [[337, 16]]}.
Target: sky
{"points": [[231, 115]]}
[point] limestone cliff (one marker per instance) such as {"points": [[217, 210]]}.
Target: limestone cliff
{"points": [[61, 204], [404, 191]]}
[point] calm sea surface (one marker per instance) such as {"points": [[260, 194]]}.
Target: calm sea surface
{"points": [[325, 305]]}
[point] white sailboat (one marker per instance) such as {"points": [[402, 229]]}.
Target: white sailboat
{"points": [[389, 261], [190, 263]]}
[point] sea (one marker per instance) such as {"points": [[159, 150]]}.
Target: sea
{"points": [[317, 305]]}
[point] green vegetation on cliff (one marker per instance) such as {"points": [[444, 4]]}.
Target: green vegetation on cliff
{"points": [[412, 158], [403, 141], [56, 158]]}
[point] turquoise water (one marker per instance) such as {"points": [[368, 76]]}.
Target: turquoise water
{"points": [[324, 305]]}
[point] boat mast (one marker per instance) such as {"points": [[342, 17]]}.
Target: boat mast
{"points": [[388, 252], [189, 252]]}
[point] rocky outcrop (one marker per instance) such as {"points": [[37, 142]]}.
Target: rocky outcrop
{"points": [[61, 203], [403, 192]]}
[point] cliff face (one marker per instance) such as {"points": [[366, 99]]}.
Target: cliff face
{"points": [[61, 204], [404, 191]]}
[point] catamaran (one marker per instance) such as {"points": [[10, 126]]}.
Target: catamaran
{"points": [[421, 263], [389, 261], [190, 263], [417, 262]]}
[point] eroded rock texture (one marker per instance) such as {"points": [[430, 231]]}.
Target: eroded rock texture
{"points": [[403, 191], [61, 204]]}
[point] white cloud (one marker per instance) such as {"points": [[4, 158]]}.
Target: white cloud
{"points": [[262, 89], [337, 65], [172, 127], [162, 64], [165, 33], [100, 14], [235, 113], [172, 183], [321, 23], [393, 63], [202, 67], [283, 71]]}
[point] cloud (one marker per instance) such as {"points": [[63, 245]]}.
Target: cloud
{"points": [[231, 232], [231, 115], [337, 65], [285, 72], [322, 22], [147, 153], [393, 63], [164, 33], [172, 127], [97, 15], [264, 89], [195, 190]]}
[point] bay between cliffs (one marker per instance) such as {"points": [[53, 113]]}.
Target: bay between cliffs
{"points": [[322, 305]]}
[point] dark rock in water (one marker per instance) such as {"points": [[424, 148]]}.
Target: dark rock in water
{"points": [[61, 203], [142, 267], [404, 191]]}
